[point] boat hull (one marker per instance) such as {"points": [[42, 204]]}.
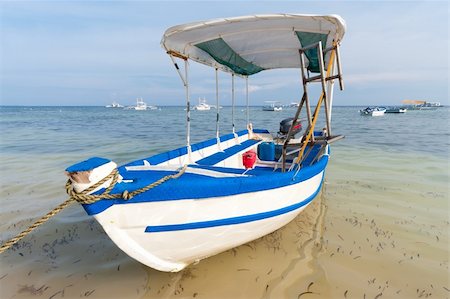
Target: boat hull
{"points": [[171, 234]]}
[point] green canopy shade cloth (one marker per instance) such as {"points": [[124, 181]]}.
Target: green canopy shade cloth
{"points": [[308, 38], [223, 54]]}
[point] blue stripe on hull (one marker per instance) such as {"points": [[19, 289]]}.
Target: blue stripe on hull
{"points": [[232, 220]]}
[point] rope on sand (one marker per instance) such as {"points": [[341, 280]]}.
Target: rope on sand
{"points": [[85, 198]]}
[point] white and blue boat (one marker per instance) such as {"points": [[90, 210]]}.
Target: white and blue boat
{"points": [[272, 106], [373, 111], [175, 208]]}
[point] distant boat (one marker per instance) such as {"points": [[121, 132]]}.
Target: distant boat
{"points": [[395, 110], [373, 111], [141, 105], [430, 106], [272, 106], [202, 105], [434, 104], [421, 105], [114, 105]]}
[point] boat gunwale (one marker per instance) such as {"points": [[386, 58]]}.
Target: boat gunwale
{"points": [[215, 187]]}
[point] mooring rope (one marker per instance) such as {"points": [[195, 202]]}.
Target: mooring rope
{"points": [[85, 198]]}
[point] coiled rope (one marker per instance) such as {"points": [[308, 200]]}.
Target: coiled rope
{"points": [[85, 198]]}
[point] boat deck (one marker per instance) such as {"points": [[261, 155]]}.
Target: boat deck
{"points": [[210, 159], [227, 153]]}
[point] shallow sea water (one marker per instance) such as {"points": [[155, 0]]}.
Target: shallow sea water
{"points": [[379, 228]]}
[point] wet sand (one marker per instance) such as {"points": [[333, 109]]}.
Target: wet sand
{"points": [[71, 257], [384, 239]]}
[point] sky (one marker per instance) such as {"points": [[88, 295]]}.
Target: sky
{"points": [[70, 53]]}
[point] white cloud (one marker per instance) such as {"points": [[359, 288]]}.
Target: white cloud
{"points": [[253, 88]]}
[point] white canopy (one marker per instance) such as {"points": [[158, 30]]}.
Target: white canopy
{"points": [[249, 44]]}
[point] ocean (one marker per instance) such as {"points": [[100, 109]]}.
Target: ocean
{"points": [[379, 228]]}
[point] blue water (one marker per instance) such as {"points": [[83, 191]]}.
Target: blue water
{"points": [[124, 134], [393, 169]]}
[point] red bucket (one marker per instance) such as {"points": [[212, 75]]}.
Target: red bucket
{"points": [[249, 159]]}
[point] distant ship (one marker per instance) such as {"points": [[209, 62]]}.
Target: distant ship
{"points": [[202, 105], [141, 105], [114, 105], [421, 105]]}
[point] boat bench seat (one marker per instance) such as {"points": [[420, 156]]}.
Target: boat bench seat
{"points": [[220, 156]]}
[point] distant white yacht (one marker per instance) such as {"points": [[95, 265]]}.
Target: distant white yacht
{"points": [[114, 105], [202, 105], [141, 105]]}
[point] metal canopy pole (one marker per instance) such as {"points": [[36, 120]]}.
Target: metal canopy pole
{"points": [[247, 101], [178, 69], [188, 104], [330, 88], [217, 107], [324, 89], [336, 67], [232, 105], [188, 112], [339, 68], [305, 89]]}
